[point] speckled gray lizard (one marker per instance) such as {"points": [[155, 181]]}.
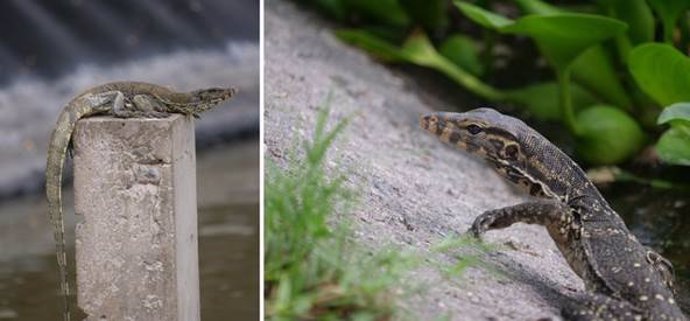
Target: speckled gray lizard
{"points": [[120, 99], [624, 279]]}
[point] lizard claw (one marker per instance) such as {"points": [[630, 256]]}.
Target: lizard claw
{"points": [[477, 229], [482, 224], [474, 233]]}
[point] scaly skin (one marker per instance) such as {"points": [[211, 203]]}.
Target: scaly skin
{"points": [[120, 99], [624, 279]]}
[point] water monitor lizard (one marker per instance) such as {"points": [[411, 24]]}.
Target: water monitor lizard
{"points": [[124, 99], [624, 279]]}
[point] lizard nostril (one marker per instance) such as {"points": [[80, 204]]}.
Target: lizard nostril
{"points": [[425, 121]]}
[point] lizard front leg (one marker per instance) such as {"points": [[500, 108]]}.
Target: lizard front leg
{"points": [[142, 106], [551, 214]]}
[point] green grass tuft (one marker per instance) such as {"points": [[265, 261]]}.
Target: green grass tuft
{"points": [[313, 271], [473, 251]]}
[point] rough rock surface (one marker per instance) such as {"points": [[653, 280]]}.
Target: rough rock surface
{"points": [[414, 191]]}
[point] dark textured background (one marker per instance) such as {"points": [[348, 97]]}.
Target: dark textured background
{"points": [[47, 38]]}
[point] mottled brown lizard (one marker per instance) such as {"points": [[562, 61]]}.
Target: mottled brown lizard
{"points": [[624, 279], [124, 99]]}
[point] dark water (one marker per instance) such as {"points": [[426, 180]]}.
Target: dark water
{"points": [[228, 179], [228, 266], [660, 219], [229, 263]]}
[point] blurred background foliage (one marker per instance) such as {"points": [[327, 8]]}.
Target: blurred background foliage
{"points": [[614, 73]]}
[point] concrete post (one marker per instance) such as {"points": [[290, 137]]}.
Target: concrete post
{"points": [[136, 243]]}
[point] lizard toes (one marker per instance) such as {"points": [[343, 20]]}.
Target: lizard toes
{"points": [[481, 224], [476, 231]]}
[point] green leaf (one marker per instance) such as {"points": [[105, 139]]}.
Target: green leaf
{"points": [[464, 52], [674, 146], [541, 100], [679, 112], [419, 50], [638, 16], [537, 7], [594, 71], [483, 17], [593, 68], [608, 135], [662, 72], [563, 37], [372, 44], [669, 11]]}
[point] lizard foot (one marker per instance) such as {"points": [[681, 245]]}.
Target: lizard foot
{"points": [[482, 224]]}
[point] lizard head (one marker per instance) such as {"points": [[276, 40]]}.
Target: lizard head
{"points": [[205, 99], [502, 140], [483, 131]]}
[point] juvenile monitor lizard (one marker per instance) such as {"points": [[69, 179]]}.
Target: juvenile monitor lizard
{"points": [[624, 279], [120, 99]]}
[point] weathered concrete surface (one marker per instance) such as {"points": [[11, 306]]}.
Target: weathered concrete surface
{"points": [[135, 188], [414, 190]]}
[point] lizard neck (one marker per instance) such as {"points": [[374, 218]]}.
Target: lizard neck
{"points": [[552, 168], [176, 98]]}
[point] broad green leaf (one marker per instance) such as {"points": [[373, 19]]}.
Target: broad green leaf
{"points": [[608, 135], [431, 14], [419, 50], [374, 45], [638, 16], [563, 37], [662, 72], [679, 112], [464, 52], [541, 100], [669, 11], [674, 146], [483, 17], [594, 71], [537, 7]]}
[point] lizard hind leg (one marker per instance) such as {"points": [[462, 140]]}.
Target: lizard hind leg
{"points": [[663, 266]]}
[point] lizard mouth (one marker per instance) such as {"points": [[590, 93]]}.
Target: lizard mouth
{"points": [[432, 123]]}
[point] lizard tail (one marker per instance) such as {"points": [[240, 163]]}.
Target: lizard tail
{"points": [[59, 143]]}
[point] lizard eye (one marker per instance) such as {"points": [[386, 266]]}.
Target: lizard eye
{"points": [[474, 129]]}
